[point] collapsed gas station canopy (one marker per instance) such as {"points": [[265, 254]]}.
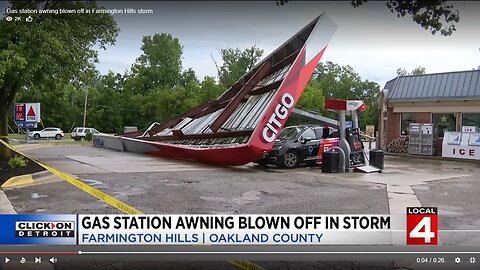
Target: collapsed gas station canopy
{"points": [[241, 125]]}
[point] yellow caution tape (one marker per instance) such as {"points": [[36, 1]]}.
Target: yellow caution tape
{"points": [[245, 265], [84, 187]]}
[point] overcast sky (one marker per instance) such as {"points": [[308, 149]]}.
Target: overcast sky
{"points": [[369, 38]]}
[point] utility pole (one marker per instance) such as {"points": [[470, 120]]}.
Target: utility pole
{"points": [[85, 107]]}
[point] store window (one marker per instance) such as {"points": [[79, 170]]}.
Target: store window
{"points": [[405, 120], [471, 119], [443, 122]]}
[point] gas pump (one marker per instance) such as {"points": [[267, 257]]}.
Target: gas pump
{"points": [[349, 139], [357, 156]]}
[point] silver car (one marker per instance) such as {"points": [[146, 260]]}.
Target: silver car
{"points": [[80, 133]]}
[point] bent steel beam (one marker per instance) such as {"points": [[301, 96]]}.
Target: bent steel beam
{"points": [[321, 119], [266, 88]]}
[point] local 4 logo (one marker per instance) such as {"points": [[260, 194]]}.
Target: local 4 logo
{"points": [[422, 226]]}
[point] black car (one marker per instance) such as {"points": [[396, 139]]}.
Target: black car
{"points": [[300, 144]]}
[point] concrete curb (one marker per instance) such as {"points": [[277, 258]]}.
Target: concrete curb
{"points": [[6, 206], [431, 157], [26, 179]]}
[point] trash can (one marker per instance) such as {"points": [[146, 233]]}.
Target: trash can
{"points": [[377, 158], [330, 162]]}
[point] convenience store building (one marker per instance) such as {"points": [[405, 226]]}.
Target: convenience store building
{"points": [[448, 100]]}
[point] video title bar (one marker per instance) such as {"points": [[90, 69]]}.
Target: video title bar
{"points": [[201, 229]]}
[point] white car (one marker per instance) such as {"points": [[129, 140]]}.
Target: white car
{"points": [[80, 133], [47, 133]]}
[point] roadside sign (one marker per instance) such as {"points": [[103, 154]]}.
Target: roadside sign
{"points": [[19, 113], [33, 112], [27, 115], [27, 125]]}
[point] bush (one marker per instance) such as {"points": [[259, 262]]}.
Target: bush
{"points": [[17, 162], [88, 137]]}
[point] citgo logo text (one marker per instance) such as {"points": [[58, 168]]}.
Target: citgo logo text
{"points": [[281, 111]]}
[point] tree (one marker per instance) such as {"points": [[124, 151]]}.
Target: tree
{"points": [[236, 63], [188, 77], [104, 99], [190, 83], [61, 103], [432, 15], [54, 49], [342, 82], [156, 88], [159, 66], [209, 89], [312, 98], [416, 71]]}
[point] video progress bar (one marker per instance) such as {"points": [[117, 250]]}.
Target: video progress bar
{"points": [[39, 253], [230, 252], [269, 252]]}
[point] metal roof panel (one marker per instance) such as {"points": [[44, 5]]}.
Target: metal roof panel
{"points": [[461, 84], [474, 88], [449, 88], [437, 86], [422, 86], [469, 80], [443, 87], [437, 81], [389, 85]]}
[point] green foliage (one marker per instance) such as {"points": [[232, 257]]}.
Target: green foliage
{"points": [[416, 71], [164, 104], [88, 137], [188, 78], [209, 89], [433, 15], [52, 53], [138, 98], [312, 98], [159, 66], [104, 111], [236, 63], [17, 162], [332, 81]]}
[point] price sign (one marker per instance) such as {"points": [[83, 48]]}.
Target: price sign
{"points": [[26, 115], [19, 112]]}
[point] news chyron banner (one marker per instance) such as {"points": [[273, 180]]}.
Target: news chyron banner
{"points": [[41, 229], [33, 229]]}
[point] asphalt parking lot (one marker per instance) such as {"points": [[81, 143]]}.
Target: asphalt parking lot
{"points": [[156, 185]]}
